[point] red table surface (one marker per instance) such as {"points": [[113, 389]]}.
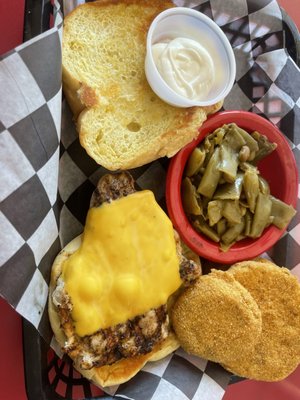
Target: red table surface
{"points": [[11, 361]]}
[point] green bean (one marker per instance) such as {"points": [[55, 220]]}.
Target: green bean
{"points": [[264, 146], [261, 215], [190, 197], [244, 154], [219, 134], [204, 203], [243, 209], [225, 247], [233, 232], [208, 147], [270, 220], [214, 211], [209, 143], [248, 223], [201, 226], [252, 156], [282, 213], [250, 141], [211, 176], [240, 237], [264, 187], [230, 191], [195, 162], [232, 211], [251, 188], [229, 160], [233, 138], [244, 166], [221, 226], [223, 193]]}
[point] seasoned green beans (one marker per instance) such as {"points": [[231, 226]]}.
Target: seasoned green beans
{"points": [[223, 193]]}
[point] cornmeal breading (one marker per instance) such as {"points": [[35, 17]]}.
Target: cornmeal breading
{"points": [[216, 318], [277, 293]]}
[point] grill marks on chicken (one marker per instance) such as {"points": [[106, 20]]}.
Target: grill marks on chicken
{"points": [[111, 187], [189, 271], [132, 338], [129, 339]]}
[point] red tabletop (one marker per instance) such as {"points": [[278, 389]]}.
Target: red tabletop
{"points": [[11, 350], [11, 24], [11, 361]]}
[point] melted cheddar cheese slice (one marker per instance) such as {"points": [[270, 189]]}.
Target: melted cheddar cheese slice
{"points": [[126, 265]]}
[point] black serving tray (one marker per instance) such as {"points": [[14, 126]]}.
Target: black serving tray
{"points": [[46, 376]]}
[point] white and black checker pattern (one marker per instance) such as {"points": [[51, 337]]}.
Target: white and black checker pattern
{"points": [[48, 179], [30, 114], [180, 376]]}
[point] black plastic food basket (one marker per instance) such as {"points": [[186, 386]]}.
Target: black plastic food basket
{"points": [[46, 376]]}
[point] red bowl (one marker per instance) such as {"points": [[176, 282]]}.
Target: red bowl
{"points": [[279, 169]]}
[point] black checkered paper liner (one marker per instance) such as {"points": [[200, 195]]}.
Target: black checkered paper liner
{"points": [[30, 119], [47, 178]]}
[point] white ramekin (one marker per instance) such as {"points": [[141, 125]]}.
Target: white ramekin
{"points": [[189, 23]]}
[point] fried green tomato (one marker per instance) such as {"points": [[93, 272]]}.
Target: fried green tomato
{"points": [[277, 293], [216, 318]]}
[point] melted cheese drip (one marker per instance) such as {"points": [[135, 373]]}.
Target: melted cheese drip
{"points": [[126, 265]]}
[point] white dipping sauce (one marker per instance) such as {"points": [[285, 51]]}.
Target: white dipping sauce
{"points": [[185, 66]]}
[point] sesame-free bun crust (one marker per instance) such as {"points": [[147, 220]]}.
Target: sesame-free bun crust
{"points": [[277, 293], [121, 122], [108, 375]]}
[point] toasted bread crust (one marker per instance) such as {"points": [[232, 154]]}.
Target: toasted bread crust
{"points": [[121, 122], [79, 95]]}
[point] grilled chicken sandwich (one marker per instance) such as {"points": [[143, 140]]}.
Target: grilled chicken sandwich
{"points": [[112, 287]]}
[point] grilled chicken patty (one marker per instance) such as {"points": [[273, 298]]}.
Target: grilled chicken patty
{"points": [[137, 335]]}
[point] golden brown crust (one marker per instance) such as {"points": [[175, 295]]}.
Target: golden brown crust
{"points": [[88, 96], [216, 318], [277, 293], [122, 370], [153, 3], [70, 87], [77, 100], [165, 145]]}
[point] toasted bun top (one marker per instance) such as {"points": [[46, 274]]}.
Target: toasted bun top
{"points": [[121, 122]]}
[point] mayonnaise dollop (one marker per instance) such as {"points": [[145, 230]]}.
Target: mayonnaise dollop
{"points": [[185, 66]]}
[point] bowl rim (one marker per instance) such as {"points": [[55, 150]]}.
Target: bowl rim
{"points": [[182, 101], [205, 247]]}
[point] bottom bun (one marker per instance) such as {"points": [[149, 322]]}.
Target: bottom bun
{"points": [[125, 369], [120, 371]]}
